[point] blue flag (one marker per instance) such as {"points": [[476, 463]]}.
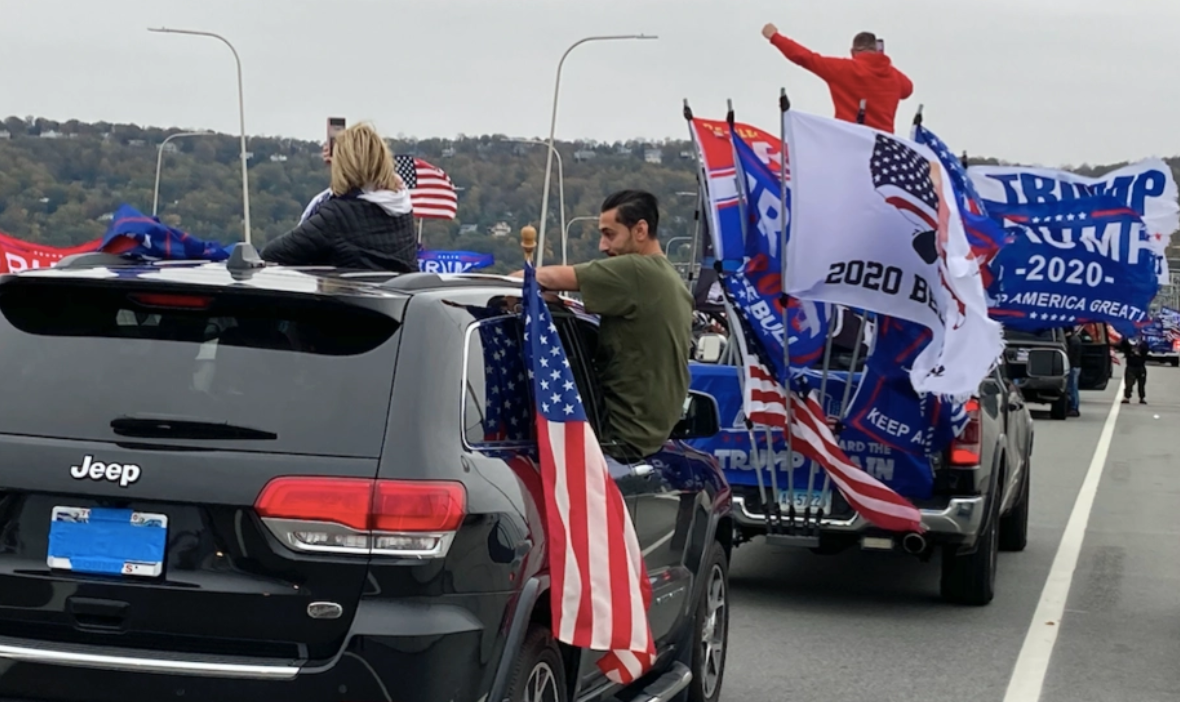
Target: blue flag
{"points": [[1071, 262], [985, 235], [453, 261], [756, 287], [135, 234], [887, 409]]}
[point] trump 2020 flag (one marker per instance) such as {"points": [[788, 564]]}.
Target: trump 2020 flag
{"points": [[600, 591], [875, 225]]}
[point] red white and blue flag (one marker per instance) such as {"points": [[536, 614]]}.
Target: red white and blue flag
{"points": [[600, 591]]}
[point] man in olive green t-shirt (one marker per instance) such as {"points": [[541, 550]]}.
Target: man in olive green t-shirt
{"points": [[645, 333]]}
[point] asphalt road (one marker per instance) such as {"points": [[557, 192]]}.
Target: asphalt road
{"points": [[870, 627]]}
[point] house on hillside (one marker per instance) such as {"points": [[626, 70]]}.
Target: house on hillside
{"points": [[655, 156], [500, 230], [169, 148], [4, 134], [51, 134], [278, 158], [584, 154]]}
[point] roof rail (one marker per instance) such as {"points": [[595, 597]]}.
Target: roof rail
{"points": [[92, 259], [408, 282]]}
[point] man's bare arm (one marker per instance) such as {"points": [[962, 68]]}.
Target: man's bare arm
{"points": [[555, 278]]}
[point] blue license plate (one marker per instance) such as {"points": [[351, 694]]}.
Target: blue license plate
{"points": [[107, 541]]}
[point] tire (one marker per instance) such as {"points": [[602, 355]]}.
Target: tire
{"points": [[1175, 362], [538, 667], [710, 639], [1059, 409], [971, 579], [1014, 525]]}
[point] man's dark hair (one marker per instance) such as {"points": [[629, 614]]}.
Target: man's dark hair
{"points": [[633, 206], [865, 41]]}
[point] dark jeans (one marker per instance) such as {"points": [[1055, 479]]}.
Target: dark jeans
{"points": [[1133, 376]]}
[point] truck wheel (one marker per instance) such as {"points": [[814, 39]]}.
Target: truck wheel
{"points": [[1175, 362], [1059, 409], [971, 579], [710, 629], [1014, 525], [539, 674]]}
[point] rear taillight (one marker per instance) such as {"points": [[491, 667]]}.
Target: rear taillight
{"points": [[410, 519], [192, 302], [967, 446]]}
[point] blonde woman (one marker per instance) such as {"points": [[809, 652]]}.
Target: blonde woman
{"points": [[366, 222]]}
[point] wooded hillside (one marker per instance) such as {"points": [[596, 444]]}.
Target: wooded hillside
{"points": [[60, 181]]}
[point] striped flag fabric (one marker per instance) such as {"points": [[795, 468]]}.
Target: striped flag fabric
{"points": [[600, 589], [431, 190], [765, 403]]}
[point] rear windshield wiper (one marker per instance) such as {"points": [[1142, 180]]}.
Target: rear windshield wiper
{"points": [[177, 428]]}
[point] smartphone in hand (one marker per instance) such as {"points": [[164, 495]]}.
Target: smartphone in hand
{"points": [[335, 126], [881, 45]]}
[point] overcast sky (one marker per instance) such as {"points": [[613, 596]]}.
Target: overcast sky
{"points": [[1052, 82]]}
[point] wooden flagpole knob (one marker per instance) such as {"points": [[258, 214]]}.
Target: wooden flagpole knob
{"points": [[528, 240]]}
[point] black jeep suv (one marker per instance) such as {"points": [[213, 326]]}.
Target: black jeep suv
{"points": [[231, 481]]}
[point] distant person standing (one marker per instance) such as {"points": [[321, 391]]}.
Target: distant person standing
{"points": [[1074, 345], [1136, 369], [869, 75]]}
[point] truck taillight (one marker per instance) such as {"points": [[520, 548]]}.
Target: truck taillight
{"points": [[410, 519], [967, 447]]}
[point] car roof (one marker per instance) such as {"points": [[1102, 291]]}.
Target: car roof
{"points": [[245, 269], [317, 280]]}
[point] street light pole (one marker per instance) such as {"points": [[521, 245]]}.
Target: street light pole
{"points": [[560, 174], [565, 235], [553, 130], [241, 118], [160, 161]]}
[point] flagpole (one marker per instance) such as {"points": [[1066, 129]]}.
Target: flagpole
{"points": [[825, 487], [696, 216], [774, 517], [784, 104]]}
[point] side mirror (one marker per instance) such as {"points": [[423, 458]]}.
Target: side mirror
{"points": [[710, 348], [701, 418], [1047, 363]]}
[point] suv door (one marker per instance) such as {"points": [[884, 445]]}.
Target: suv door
{"points": [[1096, 362], [666, 491], [631, 480]]}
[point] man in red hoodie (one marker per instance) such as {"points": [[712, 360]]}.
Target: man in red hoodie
{"points": [[869, 75]]}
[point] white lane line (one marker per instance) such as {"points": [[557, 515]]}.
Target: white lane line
{"points": [[1028, 678]]}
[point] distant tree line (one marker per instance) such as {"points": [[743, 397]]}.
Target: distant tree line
{"points": [[60, 182]]}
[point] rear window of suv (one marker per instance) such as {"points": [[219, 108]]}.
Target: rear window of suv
{"points": [[297, 375]]}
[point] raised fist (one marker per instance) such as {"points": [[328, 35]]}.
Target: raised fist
{"points": [[769, 30]]}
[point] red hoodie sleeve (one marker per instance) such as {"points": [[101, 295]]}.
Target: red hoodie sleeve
{"points": [[823, 66], [905, 84]]}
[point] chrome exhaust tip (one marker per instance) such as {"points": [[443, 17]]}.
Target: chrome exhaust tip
{"points": [[913, 543]]}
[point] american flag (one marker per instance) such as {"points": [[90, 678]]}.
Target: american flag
{"points": [[601, 591], [765, 403], [902, 175], [506, 415], [431, 190], [985, 236]]}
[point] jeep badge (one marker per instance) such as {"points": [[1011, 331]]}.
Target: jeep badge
{"points": [[122, 473]]}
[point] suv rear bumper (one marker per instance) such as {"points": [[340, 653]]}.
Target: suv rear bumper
{"points": [[413, 660], [959, 522]]}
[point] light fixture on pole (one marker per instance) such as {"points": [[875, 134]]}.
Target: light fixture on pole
{"points": [[241, 118], [560, 175], [553, 129], [565, 234], [160, 162]]}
